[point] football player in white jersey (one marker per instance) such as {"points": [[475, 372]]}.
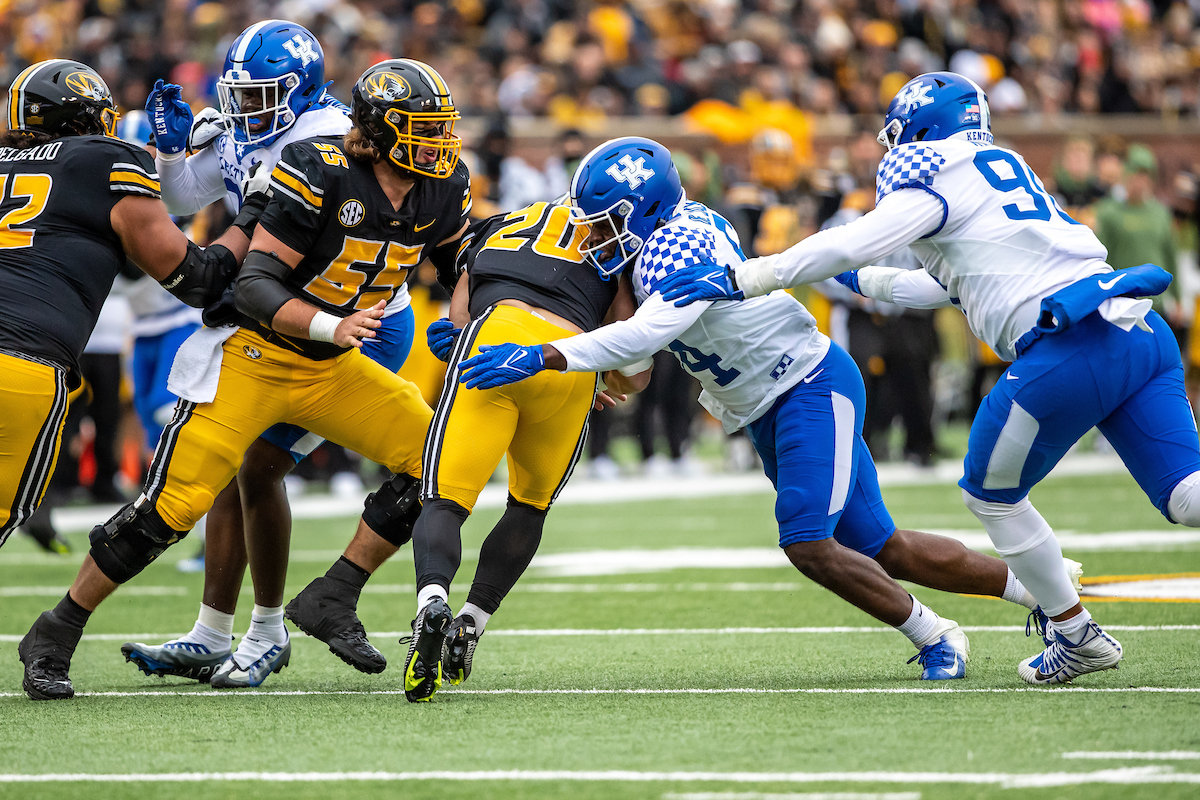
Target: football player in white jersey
{"points": [[1035, 287], [272, 92], [764, 366]]}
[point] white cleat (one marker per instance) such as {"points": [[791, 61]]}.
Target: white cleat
{"points": [[946, 659], [250, 664], [1063, 661], [1074, 572]]}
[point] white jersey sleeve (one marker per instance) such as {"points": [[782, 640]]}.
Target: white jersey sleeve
{"points": [[192, 183]]}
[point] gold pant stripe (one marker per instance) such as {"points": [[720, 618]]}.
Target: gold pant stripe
{"points": [[33, 408], [349, 400], [539, 423], [431, 455]]}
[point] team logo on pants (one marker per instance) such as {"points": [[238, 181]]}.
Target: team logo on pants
{"points": [[252, 352]]}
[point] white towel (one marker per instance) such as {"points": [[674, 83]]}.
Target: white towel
{"points": [[196, 370], [1125, 312]]}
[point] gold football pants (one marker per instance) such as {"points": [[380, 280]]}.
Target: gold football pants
{"points": [[540, 422], [33, 406], [350, 400]]}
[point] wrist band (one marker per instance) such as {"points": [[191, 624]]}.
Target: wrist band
{"points": [[638, 366], [322, 326]]}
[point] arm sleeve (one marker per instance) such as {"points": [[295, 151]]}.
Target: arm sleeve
{"points": [[190, 184], [294, 215], [911, 288], [900, 219], [649, 330]]}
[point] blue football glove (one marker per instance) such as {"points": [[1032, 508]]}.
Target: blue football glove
{"points": [[441, 336], [849, 280], [170, 117], [705, 281], [501, 364]]}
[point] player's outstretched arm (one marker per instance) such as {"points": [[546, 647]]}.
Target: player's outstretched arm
{"points": [[195, 275], [911, 288], [262, 294]]}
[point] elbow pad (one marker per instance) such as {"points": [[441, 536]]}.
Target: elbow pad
{"points": [[260, 291], [202, 275], [445, 260]]}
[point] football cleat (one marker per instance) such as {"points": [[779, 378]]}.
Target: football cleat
{"points": [[946, 659], [423, 667], [177, 657], [459, 649], [324, 612], [1074, 572], [1037, 622], [46, 653], [1063, 660], [240, 671]]}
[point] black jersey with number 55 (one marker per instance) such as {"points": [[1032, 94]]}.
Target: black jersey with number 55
{"points": [[357, 248], [58, 251]]}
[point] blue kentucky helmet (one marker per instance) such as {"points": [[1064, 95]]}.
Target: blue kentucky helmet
{"points": [[631, 184], [274, 72], [937, 105]]}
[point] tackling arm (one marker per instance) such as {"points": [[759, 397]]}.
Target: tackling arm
{"points": [[900, 219], [911, 288], [189, 184]]}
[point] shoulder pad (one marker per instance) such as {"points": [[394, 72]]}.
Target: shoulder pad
{"points": [[671, 248], [905, 166]]}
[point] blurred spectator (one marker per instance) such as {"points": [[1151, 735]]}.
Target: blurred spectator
{"points": [[1139, 230], [1075, 176]]}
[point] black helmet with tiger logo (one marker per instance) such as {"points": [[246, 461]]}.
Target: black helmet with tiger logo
{"points": [[405, 109], [61, 97]]}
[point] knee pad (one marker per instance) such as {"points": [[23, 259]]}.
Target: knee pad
{"points": [[1184, 504], [393, 510], [127, 543], [1013, 528]]}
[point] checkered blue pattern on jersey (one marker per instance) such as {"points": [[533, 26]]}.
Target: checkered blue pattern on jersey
{"points": [[905, 166], [673, 248]]}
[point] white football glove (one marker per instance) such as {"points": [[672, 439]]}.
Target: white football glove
{"points": [[206, 127], [257, 181]]}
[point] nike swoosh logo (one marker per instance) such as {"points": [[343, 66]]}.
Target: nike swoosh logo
{"points": [[1045, 676], [419, 228], [1106, 285], [1011, 377], [809, 378]]}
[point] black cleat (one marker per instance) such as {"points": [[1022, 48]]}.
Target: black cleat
{"points": [[324, 611], [423, 667], [48, 539], [46, 653], [459, 649]]}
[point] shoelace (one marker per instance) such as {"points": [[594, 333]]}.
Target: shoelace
{"points": [[931, 656], [1036, 622]]}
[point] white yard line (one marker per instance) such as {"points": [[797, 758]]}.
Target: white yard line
{"points": [[505, 632], [208, 694], [1128, 776], [792, 796], [1134, 755]]}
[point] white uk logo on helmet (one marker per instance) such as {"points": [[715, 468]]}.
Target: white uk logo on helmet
{"points": [[916, 95], [302, 49], [626, 170]]}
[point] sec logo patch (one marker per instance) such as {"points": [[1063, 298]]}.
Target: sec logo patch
{"points": [[351, 213], [252, 352]]}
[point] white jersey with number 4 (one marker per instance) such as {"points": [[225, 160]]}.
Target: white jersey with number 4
{"points": [[1003, 244], [745, 355]]}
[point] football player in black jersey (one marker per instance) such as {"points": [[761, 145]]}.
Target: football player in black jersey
{"points": [[523, 279], [347, 220]]}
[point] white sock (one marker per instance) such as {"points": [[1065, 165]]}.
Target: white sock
{"points": [[1073, 628], [480, 616], [426, 595], [213, 629], [1015, 592], [266, 625], [921, 627]]}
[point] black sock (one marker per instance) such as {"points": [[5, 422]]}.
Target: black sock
{"points": [[346, 571], [437, 542], [71, 613], [506, 554]]}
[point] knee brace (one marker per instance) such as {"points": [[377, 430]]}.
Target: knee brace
{"points": [[393, 510], [1013, 528], [127, 543], [1184, 504]]}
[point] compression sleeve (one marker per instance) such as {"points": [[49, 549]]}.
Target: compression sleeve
{"points": [[190, 184], [900, 219], [911, 288], [652, 327], [260, 292]]}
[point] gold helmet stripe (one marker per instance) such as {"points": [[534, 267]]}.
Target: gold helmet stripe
{"points": [[16, 93], [432, 78]]}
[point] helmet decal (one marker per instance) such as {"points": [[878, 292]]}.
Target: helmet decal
{"points": [[630, 172], [87, 85], [387, 86], [915, 95]]}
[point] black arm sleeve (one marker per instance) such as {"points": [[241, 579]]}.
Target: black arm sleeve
{"points": [[202, 275], [260, 291], [445, 258]]}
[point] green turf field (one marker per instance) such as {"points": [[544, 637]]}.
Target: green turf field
{"points": [[629, 684]]}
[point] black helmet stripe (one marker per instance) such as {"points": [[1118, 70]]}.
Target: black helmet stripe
{"points": [[16, 108]]}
